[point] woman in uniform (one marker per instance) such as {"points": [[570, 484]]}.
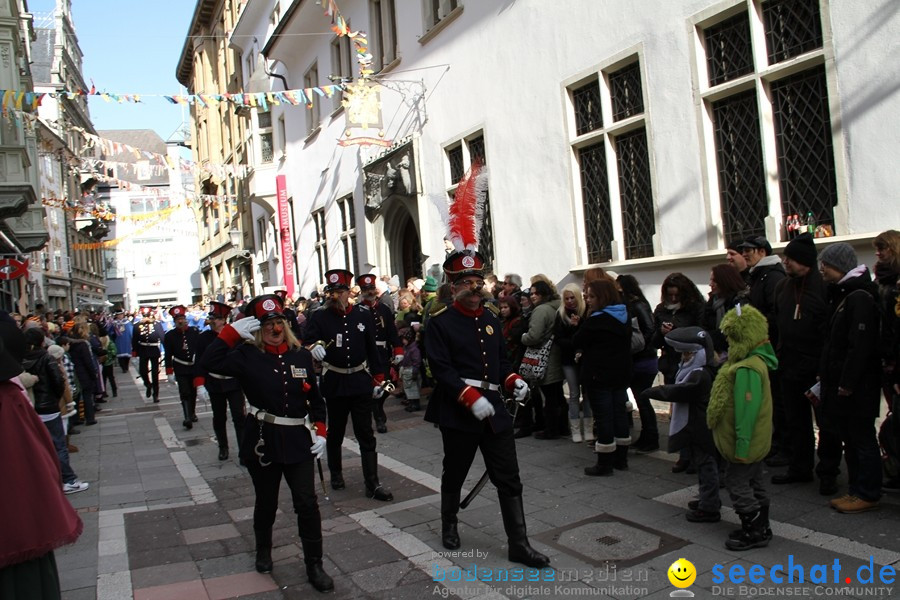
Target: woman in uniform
{"points": [[285, 428]]}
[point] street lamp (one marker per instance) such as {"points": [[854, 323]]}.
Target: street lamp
{"points": [[236, 237]]}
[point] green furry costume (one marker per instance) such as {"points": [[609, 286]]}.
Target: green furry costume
{"points": [[740, 406]]}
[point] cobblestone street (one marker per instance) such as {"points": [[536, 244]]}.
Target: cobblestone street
{"points": [[164, 519]]}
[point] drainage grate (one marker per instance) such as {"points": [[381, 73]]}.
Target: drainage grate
{"points": [[608, 540], [605, 539]]}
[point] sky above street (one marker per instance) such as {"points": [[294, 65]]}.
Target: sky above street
{"points": [[130, 47]]}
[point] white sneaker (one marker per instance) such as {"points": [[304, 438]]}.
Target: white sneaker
{"points": [[75, 487]]}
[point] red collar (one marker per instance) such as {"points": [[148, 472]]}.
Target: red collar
{"points": [[279, 349], [346, 312], [466, 311]]}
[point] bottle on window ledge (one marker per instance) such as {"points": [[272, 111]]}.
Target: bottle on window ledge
{"points": [[810, 223]]}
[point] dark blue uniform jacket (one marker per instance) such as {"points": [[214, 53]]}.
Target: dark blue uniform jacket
{"points": [[350, 340], [282, 384], [462, 344]]}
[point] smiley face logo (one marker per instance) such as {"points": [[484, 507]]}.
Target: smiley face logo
{"points": [[682, 573]]}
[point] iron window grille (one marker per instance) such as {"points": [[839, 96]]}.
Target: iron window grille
{"points": [[729, 52], [455, 158], [636, 194], [321, 243], [348, 234], [805, 153], [625, 92], [595, 196], [792, 28], [486, 235], [586, 102], [742, 185]]}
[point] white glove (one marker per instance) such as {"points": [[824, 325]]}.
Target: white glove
{"points": [[629, 405], [318, 445], [246, 326], [318, 352], [202, 393], [398, 358], [520, 389], [171, 379], [377, 392], [482, 408]]}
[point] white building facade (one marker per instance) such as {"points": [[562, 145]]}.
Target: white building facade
{"points": [[640, 136], [155, 259]]}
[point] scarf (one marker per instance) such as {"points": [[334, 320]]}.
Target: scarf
{"points": [[681, 410]]}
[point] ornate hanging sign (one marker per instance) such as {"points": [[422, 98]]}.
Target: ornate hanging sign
{"points": [[362, 101]]}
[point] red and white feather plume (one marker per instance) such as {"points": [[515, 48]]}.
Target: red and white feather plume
{"points": [[466, 212]]}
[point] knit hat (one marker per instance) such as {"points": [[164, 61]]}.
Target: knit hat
{"points": [[802, 249], [840, 256], [430, 284]]}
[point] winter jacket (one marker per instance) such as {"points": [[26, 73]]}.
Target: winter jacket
{"points": [[715, 309], [801, 312], [562, 336], [83, 359], [679, 317], [764, 278], [50, 385], [888, 297], [640, 309], [540, 328], [850, 358], [604, 341], [695, 392]]}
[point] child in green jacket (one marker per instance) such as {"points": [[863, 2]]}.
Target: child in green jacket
{"points": [[740, 417]]}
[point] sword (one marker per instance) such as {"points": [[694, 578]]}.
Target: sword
{"points": [[312, 431], [484, 477]]}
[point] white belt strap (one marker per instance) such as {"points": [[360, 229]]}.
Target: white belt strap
{"points": [[183, 362], [217, 376], [382, 344], [343, 371], [484, 385], [149, 343], [261, 415]]}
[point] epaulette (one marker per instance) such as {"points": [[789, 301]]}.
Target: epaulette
{"points": [[437, 308], [364, 306], [493, 308]]}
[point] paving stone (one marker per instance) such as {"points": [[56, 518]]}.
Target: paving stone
{"points": [[209, 534], [163, 574], [194, 590], [138, 559], [238, 585]]}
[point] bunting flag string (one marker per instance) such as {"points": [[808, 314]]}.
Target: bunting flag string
{"points": [[116, 241], [21, 100], [340, 27]]}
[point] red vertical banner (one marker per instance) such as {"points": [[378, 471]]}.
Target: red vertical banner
{"points": [[284, 229]]}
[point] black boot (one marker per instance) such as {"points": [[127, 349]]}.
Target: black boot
{"points": [[334, 465], [312, 556], [752, 535], [263, 550], [413, 406], [764, 516], [520, 551], [223, 452], [620, 458], [449, 532], [370, 474], [603, 467]]}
